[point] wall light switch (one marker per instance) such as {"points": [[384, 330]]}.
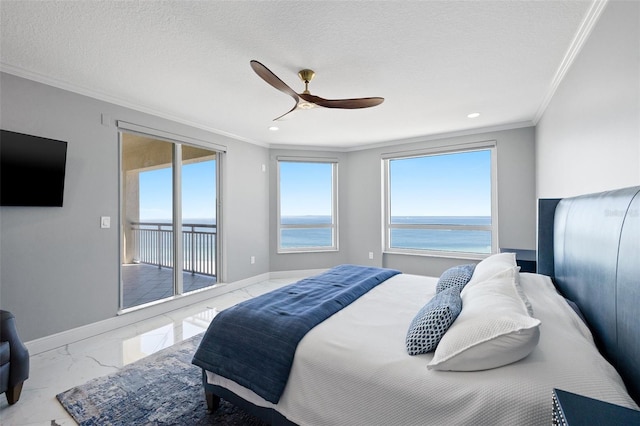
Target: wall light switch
{"points": [[253, 260], [105, 120], [105, 221]]}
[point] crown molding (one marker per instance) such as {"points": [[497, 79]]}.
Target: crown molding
{"points": [[583, 33]]}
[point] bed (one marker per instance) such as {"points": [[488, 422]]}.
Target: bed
{"points": [[571, 326]]}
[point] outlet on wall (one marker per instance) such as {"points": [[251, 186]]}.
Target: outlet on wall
{"points": [[105, 221], [253, 260], [370, 255]]}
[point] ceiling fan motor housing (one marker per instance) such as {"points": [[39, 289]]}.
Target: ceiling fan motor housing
{"points": [[306, 75]]}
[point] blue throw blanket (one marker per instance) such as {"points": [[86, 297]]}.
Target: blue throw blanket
{"points": [[253, 343]]}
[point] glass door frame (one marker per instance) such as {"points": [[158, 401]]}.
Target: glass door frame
{"points": [[178, 141]]}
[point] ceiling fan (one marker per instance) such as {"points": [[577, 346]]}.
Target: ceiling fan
{"points": [[306, 100]]}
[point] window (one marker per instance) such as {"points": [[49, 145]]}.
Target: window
{"points": [[307, 206], [441, 203]]}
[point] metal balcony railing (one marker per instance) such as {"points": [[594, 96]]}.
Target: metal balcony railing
{"points": [[153, 245]]}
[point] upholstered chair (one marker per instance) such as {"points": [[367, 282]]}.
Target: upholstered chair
{"points": [[14, 358]]}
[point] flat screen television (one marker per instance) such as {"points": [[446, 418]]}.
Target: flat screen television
{"points": [[32, 170]]}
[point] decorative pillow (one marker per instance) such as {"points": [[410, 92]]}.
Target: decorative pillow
{"points": [[492, 265], [492, 330], [457, 276], [432, 321]]}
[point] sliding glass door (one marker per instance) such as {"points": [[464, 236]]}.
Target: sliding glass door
{"points": [[169, 241], [199, 227]]}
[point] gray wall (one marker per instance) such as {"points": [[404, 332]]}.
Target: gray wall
{"points": [[58, 268], [245, 210], [588, 139], [360, 215]]}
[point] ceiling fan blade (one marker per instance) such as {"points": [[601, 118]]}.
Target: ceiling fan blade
{"points": [[268, 76], [295, 107], [342, 103], [306, 100]]}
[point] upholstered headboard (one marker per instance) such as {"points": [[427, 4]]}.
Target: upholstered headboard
{"points": [[590, 246]]}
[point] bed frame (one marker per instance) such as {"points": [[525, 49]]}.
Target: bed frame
{"points": [[590, 246]]}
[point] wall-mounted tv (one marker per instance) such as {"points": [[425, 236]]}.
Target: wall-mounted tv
{"points": [[32, 170]]}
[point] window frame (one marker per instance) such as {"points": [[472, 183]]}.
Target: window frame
{"points": [[490, 146], [333, 225]]}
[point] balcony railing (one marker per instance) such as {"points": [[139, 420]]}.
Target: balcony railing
{"points": [[153, 245]]}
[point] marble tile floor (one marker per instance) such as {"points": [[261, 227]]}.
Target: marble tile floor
{"points": [[60, 369]]}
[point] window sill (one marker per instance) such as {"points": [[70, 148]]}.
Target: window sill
{"points": [[439, 254], [308, 250]]}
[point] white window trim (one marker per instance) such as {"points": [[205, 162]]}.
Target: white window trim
{"points": [[480, 146], [334, 208]]}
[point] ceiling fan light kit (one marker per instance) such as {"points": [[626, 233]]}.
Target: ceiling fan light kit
{"points": [[306, 100]]}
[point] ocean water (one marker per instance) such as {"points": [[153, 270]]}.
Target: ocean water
{"points": [[420, 239]]}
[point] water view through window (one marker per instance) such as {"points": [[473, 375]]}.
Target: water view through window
{"points": [[307, 205], [306, 237], [199, 226], [473, 241], [440, 202]]}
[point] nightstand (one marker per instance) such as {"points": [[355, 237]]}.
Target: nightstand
{"points": [[570, 409], [525, 259]]}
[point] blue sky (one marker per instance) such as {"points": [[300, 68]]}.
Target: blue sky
{"points": [[305, 189], [442, 185], [198, 192]]}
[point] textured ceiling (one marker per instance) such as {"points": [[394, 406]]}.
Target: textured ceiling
{"points": [[434, 62]]}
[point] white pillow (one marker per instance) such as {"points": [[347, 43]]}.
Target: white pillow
{"points": [[513, 272], [502, 272], [493, 329], [492, 265], [521, 292]]}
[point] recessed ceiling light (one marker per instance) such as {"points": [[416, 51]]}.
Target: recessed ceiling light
{"points": [[474, 115], [274, 128]]}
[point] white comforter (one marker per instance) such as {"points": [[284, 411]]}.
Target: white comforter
{"points": [[353, 369]]}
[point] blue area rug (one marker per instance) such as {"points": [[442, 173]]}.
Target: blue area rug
{"points": [[161, 389]]}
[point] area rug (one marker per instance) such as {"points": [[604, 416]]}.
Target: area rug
{"points": [[161, 389]]}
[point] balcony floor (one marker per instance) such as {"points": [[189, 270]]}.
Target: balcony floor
{"points": [[144, 283]]}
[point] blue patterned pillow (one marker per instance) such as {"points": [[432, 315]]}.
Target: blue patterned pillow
{"points": [[458, 277], [433, 321]]}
